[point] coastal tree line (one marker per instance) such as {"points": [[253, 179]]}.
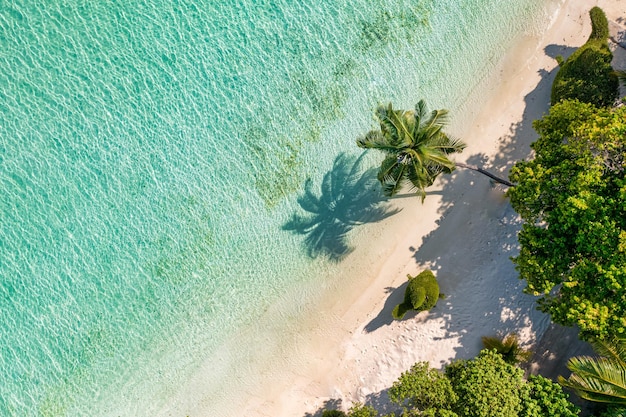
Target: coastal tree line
{"points": [[571, 197]]}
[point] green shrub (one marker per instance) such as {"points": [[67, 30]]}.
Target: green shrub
{"points": [[361, 410], [599, 24], [333, 413], [587, 74], [545, 398], [508, 347], [486, 386], [423, 388], [421, 294]]}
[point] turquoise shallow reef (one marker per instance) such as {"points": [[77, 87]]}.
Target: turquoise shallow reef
{"points": [[151, 158]]}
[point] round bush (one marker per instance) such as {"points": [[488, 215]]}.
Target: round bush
{"points": [[421, 294]]}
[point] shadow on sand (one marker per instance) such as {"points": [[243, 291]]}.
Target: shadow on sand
{"points": [[350, 196]]}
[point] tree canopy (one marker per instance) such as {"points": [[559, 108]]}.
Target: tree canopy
{"points": [[415, 145], [485, 386], [572, 197]]}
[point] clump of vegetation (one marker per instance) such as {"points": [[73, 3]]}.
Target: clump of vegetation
{"points": [[357, 410], [602, 379], [421, 294], [587, 75], [485, 386], [572, 198], [333, 413], [423, 388], [508, 347]]}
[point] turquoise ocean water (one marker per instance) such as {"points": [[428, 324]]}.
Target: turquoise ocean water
{"points": [[151, 158]]}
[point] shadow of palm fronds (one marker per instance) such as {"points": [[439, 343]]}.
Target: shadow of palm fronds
{"points": [[350, 196]]}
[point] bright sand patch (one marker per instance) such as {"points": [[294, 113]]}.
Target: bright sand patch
{"points": [[465, 232]]}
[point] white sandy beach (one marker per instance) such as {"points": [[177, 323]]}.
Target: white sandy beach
{"points": [[465, 232]]}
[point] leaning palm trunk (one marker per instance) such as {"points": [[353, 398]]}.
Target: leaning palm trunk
{"points": [[487, 173]]}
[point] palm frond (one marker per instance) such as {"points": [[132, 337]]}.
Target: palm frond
{"points": [[376, 140], [508, 347], [597, 379], [613, 348], [392, 181], [621, 75], [421, 112], [438, 119], [448, 144]]}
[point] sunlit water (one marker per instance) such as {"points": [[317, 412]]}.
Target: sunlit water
{"points": [[151, 158]]}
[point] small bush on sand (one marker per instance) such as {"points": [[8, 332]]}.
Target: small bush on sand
{"points": [[421, 294]]}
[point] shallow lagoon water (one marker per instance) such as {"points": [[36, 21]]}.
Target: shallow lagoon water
{"points": [[151, 159]]}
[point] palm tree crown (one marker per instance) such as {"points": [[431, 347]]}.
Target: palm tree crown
{"points": [[417, 148], [600, 379]]}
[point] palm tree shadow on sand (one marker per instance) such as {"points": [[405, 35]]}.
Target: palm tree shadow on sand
{"points": [[350, 196]]}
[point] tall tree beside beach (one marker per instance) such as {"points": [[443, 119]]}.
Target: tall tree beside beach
{"points": [[572, 197], [416, 147]]}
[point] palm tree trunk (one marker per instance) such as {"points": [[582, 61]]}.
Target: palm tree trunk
{"points": [[487, 173]]}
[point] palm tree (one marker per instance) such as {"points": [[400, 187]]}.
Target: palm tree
{"points": [[508, 347], [417, 148], [600, 379]]}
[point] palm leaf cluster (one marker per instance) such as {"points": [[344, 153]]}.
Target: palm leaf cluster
{"points": [[600, 379], [416, 147], [508, 347]]}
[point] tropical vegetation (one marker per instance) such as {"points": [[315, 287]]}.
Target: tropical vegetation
{"points": [[601, 379], [421, 294], [508, 347], [587, 74], [416, 147], [485, 386], [572, 198]]}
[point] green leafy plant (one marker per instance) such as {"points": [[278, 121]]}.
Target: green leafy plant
{"points": [[600, 379], [508, 347], [416, 147], [361, 410], [423, 388], [572, 198], [486, 386], [333, 413], [544, 398], [421, 294], [587, 74]]}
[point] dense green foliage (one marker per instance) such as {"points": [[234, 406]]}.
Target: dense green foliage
{"points": [[599, 25], [600, 379], [485, 386], [360, 410], [572, 197], [544, 398], [415, 145], [423, 388], [614, 412], [587, 74], [333, 413], [421, 294], [508, 347]]}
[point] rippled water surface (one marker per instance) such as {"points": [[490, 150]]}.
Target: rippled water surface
{"points": [[151, 158]]}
